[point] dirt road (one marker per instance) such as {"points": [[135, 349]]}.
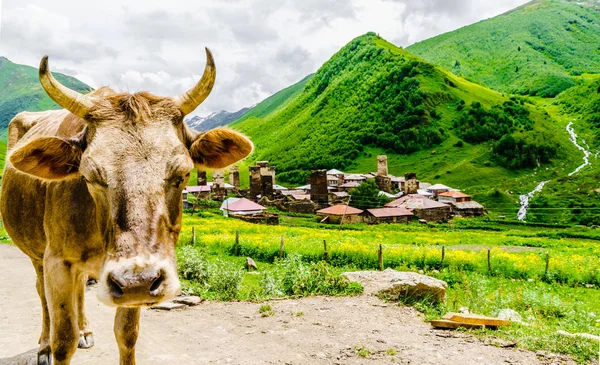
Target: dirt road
{"points": [[309, 331]]}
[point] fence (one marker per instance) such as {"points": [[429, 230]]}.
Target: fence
{"points": [[493, 262]]}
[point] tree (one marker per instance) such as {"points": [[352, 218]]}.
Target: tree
{"points": [[366, 196]]}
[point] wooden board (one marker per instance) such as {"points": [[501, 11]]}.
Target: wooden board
{"points": [[444, 323], [476, 319]]}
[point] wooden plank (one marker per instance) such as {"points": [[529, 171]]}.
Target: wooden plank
{"points": [[476, 319], [444, 323]]}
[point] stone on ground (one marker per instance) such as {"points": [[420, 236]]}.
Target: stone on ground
{"points": [[189, 300], [393, 285], [169, 306]]}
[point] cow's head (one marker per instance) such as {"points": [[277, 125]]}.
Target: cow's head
{"points": [[135, 154]]}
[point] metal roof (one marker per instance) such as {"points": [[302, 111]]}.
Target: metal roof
{"points": [[396, 203], [389, 212], [468, 205], [334, 172], [439, 187]]}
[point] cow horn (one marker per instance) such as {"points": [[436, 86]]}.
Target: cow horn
{"points": [[190, 100], [71, 100]]}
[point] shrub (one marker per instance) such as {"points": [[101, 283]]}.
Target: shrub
{"points": [[225, 280], [220, 278], [192, 265], [294, 277]]}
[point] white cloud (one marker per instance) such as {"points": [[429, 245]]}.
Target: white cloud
{"points": [[260, 46]]}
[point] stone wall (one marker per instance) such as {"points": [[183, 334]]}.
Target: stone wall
{"points": [[411, 184]]}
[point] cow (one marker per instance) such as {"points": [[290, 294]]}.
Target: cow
{"points": [[95, 190]]}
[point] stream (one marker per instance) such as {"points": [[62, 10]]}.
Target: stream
{"points": [[525, 198], [586, 153]]}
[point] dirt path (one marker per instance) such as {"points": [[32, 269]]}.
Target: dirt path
{"points": [[326, 332]]}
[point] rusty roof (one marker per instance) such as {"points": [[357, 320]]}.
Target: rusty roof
{"points": [[398, 202], [340, 209], [389, 212], [454, 194], [467, 205]]}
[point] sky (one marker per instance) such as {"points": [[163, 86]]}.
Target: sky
{"points": [[259, 46]]}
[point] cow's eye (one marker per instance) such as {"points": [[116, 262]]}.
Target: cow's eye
{"points": [[177, 181]]}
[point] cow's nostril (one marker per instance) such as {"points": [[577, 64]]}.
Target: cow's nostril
{"points": [[156, 284], [115, 289]]}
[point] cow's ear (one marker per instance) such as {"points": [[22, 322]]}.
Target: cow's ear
{"points": [[220, 148], [49, 158]]}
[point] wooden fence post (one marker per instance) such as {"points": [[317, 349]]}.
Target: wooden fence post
{"points": [[380, 254], [236, 246], [194, 236], [443, 257], [325, 253], [547, 264], [489, 262], [281, 247]]}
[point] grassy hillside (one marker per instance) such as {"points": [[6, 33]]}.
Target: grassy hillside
{"points": [[575, 198], [375, 98], [20, 90], [540, 48]]}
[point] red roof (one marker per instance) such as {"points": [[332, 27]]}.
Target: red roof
{"points": [[454, 194], [340, 209], [244, 205], [389, 212]]}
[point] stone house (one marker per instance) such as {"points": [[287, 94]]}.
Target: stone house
{"points": [[336, 213], [387, 215]]}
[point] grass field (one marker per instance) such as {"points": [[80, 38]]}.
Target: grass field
{"points": [[566, 298]]}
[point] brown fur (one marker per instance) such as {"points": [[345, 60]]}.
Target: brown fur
{"points": [[126, 165], [220, 148], [49, 158]]}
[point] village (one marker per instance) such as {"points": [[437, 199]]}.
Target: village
{"points": [[328, 196]]}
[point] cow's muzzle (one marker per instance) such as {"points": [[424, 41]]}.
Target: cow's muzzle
{"points": [[135, 282]]}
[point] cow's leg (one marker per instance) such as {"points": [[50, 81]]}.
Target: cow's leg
{"points": [[86, 338], [60, 282], [44, 353], [127, 326]]}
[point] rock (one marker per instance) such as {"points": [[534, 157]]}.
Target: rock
{"points": [[463, 310], [510, 315], [250, 264], [189, 300], [392, 284], [168, 306]]}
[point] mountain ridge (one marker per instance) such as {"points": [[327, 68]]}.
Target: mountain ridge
{"points": [[20, 90]]}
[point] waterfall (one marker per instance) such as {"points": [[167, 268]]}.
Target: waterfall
{"points": [[586, 153], [525, 198]]}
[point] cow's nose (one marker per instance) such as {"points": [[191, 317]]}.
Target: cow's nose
{"points": [[125, 284]]}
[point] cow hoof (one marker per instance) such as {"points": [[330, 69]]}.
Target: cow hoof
{"points": [[86, 341], [44, 357]]}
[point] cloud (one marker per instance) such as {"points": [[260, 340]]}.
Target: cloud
{"points": [[260, 46]]}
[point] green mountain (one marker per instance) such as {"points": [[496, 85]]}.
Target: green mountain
{"points": [[540, 48], [374, 98], [20, 90]]}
